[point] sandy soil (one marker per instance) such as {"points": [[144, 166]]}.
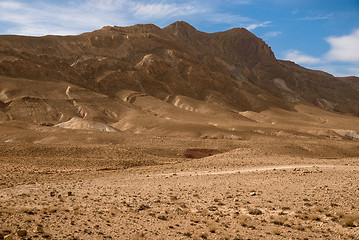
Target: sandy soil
{"points": [[257, 189]]}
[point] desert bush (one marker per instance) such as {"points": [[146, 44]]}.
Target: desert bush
{"points": [[314, 217], [319, 209], [246, 221], [279, 220], [255, 211], [276, 231], [350, 220]]}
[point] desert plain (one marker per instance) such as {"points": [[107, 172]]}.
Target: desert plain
{"points": [[269, 183], [143, 132]]}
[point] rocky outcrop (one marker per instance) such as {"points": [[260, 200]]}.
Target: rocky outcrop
{"points": [[233, 69]]}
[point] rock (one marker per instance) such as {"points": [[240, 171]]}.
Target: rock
{"points": [[21, 233], [162, 217], [2, 235], [69, 194], [52, 194], [255, 212], [39, 229], [8, 237], [252, 193], [212, 208], [143, 207]]}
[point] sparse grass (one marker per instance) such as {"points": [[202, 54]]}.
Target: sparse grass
{"points": [[299, 227], [203, 236], [279, 220], [212, 227], [55, 209], [314, 217], [350, 220], [276, 232], [113, 211], [246, 221], [29, 219], [340, 214], [346, 220], [318, 209], [255, 211], [243, 220], [187, 234]]}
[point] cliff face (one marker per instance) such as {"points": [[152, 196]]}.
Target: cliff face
{"points": [[232, 69]]}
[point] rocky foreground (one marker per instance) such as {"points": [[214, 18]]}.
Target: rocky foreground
{"points": [[255, 191]]}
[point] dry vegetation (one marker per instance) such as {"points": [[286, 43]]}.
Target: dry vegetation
{"points": [[150, 133]]}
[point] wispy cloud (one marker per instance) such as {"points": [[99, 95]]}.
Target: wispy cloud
{"points": [[344, 48], [314, 18], [46, 18], [340, 70], [239, 2], [271, 34], [160, 10], [300, 58], [257, 25], [341, 60], [70, 17], [75, 17]]}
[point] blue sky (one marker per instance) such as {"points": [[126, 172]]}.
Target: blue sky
{"points": [[318, 34]]}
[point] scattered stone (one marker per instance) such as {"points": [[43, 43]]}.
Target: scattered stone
{"points": [[212, 208], [22, 233], [8, 237], [39, 229], [255, 212], [162, 217], [143, 207], [6, 231], [46, 236]]}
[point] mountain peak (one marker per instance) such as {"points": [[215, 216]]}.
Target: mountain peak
{"points": [[182, 25], [180, 28]]}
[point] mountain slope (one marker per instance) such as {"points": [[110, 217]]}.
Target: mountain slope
{"points": [[102, 77]]}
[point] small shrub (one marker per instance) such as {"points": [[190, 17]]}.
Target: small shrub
{"points": [[350, 221], [314, 217], [203, 236], [318, 209], [255, 211], [276, 232], [279, 220]]}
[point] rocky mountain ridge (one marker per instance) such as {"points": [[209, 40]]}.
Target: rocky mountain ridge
{"points": [[102, 75]]}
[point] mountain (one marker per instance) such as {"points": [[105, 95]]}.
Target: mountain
{"points": [[146, 77]]}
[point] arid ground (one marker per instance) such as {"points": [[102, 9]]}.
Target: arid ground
{"points": [[272, 183], [144, 132]]}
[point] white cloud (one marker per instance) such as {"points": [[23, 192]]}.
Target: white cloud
{"points": [[42, 18], [234, 20], [160, 10], [340, 70], [239, 2], [10, 5], [271, 34], [254, 26], [74, 17], [105, 5], [314, 18], [301, 58], [345, 48]]}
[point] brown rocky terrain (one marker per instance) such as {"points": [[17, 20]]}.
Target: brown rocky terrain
{"points": [[148, 133]]}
